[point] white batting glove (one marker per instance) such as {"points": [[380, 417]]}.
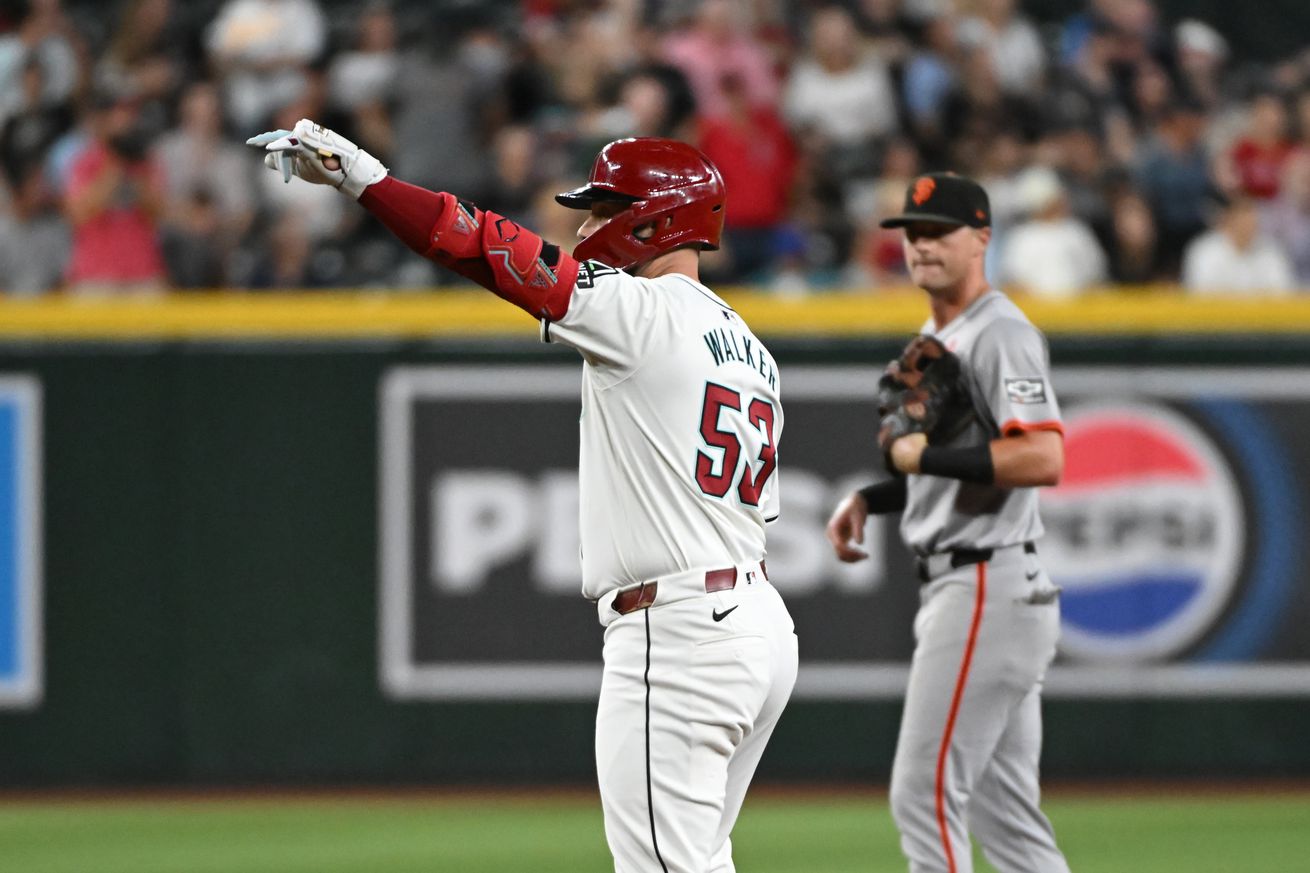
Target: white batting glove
{"points": [[320, 156]]}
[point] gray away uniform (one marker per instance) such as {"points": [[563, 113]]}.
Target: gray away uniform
{"points": [[970, 739]]}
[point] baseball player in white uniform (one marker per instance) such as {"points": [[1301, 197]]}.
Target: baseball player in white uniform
{"points": [[681, 418], [970, 739]]}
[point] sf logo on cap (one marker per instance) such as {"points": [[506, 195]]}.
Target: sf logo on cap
{"points": [[923, 189]]}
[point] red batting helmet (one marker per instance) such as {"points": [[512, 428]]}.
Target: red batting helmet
{"points": [[667, 184]]}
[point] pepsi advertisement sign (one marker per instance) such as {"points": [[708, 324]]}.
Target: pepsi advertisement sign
{"points": [[1145, 533], [1176, 535]]}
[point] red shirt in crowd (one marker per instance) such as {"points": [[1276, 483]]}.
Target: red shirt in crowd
{"points": [[119, 244], [757, 159], [1259, 167]]}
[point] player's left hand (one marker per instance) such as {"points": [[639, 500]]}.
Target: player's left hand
{"points": [[847, 526], [906, 452], [319, 156]]}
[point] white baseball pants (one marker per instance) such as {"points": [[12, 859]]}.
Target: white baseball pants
{"points": [[687, 704], [971, 732]]}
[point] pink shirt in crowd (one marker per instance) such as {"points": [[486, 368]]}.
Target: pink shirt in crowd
{"points": [[705, 62]]}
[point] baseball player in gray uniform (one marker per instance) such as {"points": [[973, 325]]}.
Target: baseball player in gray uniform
{"points": [[970, 739], [681, 418]]}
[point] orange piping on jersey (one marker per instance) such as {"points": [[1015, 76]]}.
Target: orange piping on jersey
{"points": [[1015, 426], [942, 755]]}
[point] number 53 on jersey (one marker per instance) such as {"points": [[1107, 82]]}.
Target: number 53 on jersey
{"points": [[734, 424]]}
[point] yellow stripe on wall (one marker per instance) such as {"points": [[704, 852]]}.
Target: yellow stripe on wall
{"points": [[475, 313]]}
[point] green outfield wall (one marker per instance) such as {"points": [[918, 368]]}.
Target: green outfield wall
{"points": [[204, 606]]}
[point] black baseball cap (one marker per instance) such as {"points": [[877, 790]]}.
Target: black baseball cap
{"points": [[944, 198]]}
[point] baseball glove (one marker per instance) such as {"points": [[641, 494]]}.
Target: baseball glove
{"points": [[923, 391]]}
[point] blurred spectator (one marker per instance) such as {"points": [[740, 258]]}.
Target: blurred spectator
{"points": [[1132, 248], [1235, 257], [1256, 159], [977, 111], [67, 147], [1052, 253], [192, 242], [1152, 94], [34, 237], [144, 57], [1173, 174], [361, 80], [1287, 218], [43, 35], [751, 147], [34, 125], [114, 199], [838, 90], [1136, 25], [820, 218], [1000, 167], [1301, 120], [289, 261], [515, 180], [446, 102], [930, 75], [1090, 91], [1000, 170], [1091, 67], [885, 26], [261, 48], [878, 257], [1202, 53], [1077, 155], [1010, 41], [615, 43], [649, 101], [199, 160], [717, 44]]}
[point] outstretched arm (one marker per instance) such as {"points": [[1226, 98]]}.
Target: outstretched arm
{"points": [[487, 248]]}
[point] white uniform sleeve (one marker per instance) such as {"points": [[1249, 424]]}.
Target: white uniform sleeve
{"points": [[614, 319], [1012, 371]]}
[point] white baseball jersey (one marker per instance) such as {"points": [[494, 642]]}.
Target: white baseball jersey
{"points": [[681, 418]]}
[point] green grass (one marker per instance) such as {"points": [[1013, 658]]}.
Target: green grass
{"points": [[809, 833]]}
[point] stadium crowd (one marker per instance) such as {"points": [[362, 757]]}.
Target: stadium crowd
{"points": [[1117, 146]]}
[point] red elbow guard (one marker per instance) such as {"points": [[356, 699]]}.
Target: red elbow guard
{"points": [[489, 249], [504, 257]]}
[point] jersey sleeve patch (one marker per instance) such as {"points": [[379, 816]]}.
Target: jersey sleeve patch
{"points": [[1026, 390], [590, 271]]}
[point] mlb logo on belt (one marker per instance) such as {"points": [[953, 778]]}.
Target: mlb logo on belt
{"points": [[20, 543]]}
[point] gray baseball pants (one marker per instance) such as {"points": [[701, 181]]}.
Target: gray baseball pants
{"points": [[971, 732]]}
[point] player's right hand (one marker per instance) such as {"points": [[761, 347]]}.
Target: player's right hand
{"points": [[847, 524], [320, 156]]}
